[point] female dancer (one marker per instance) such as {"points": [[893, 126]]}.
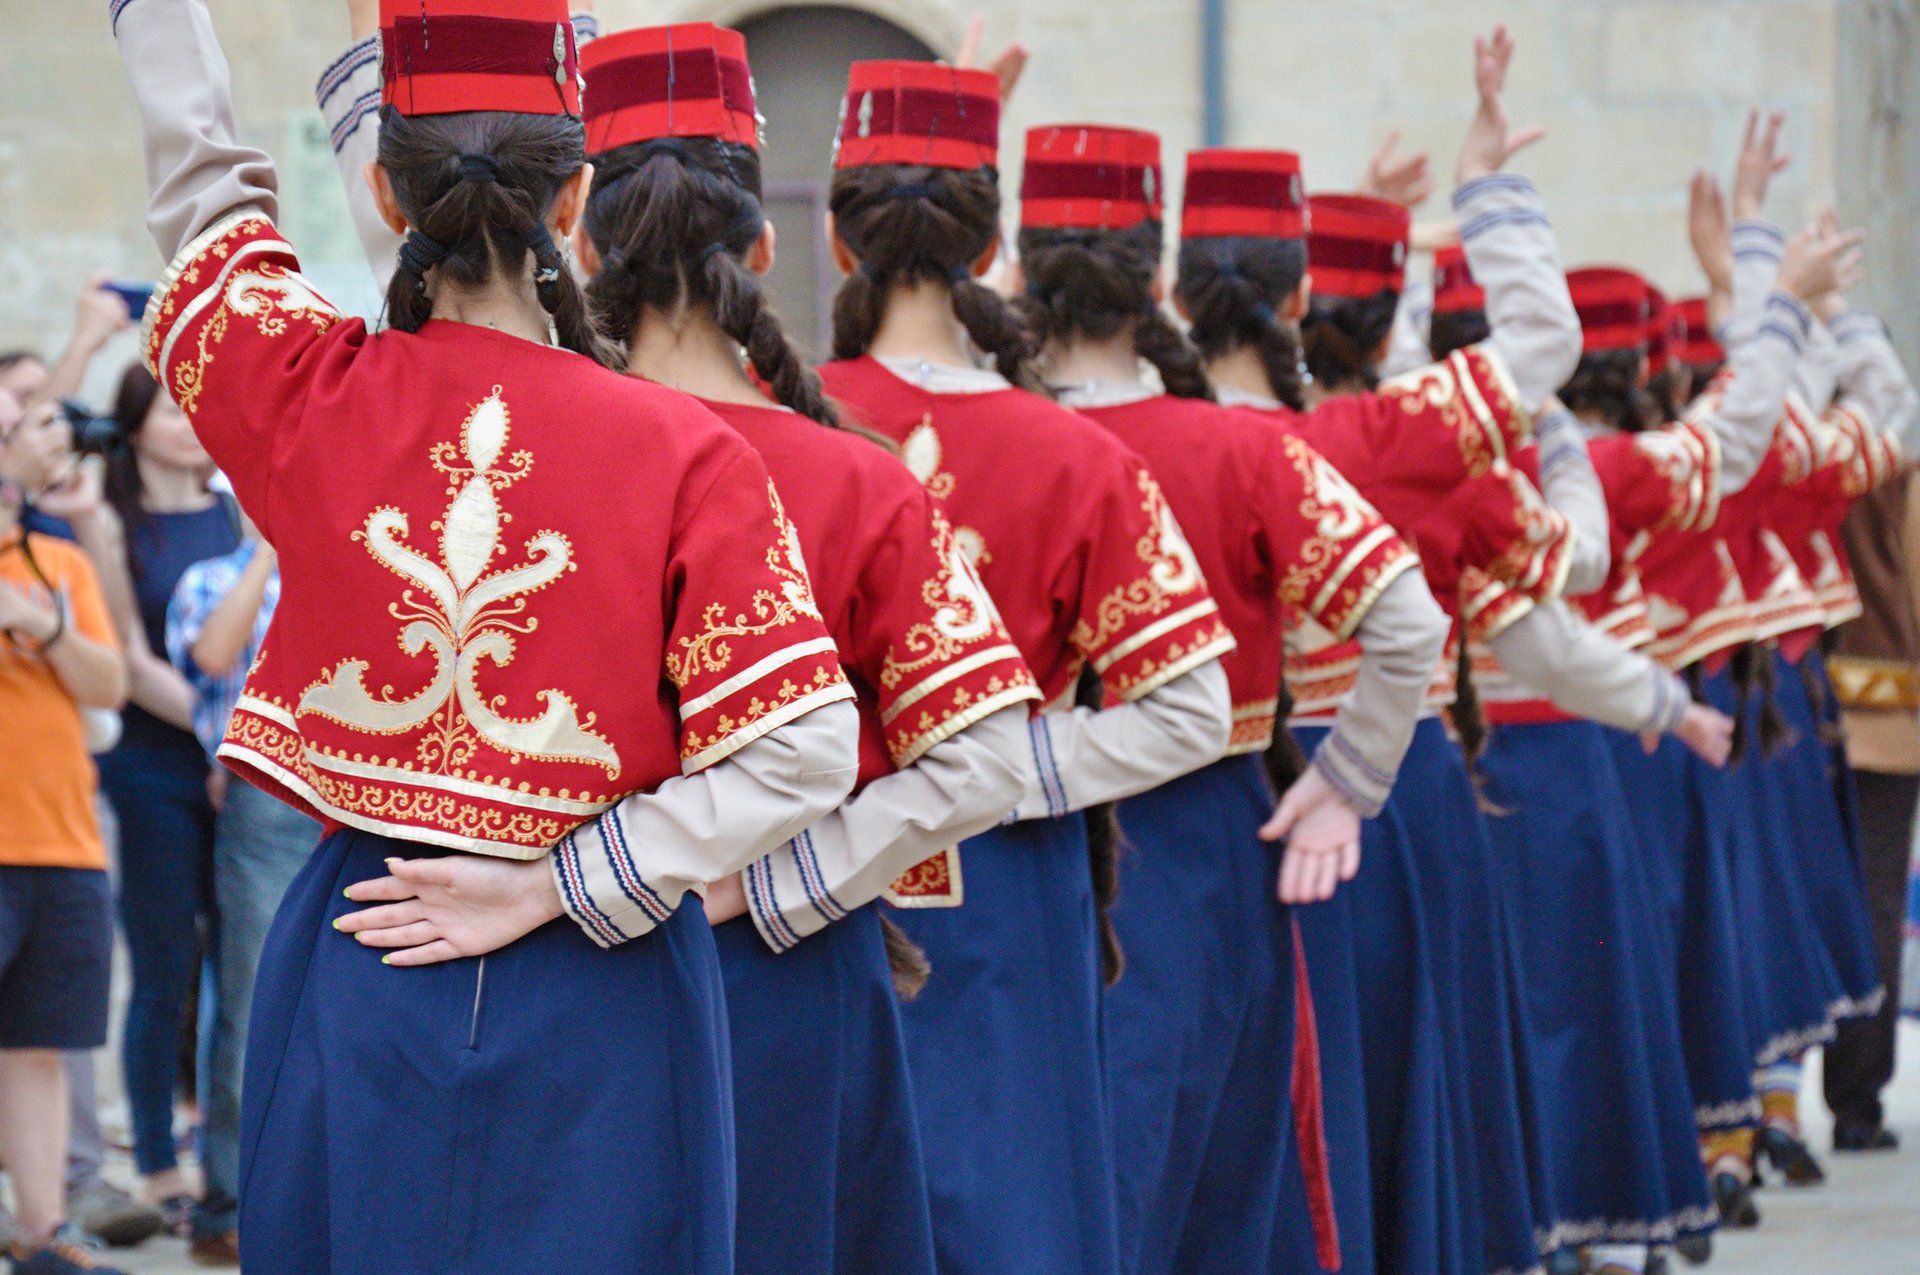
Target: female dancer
{"points": [[1204, 1023], [1073, 537], [507, 717], [829, 1156]]}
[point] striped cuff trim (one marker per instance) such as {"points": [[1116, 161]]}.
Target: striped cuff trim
{"points": [[775, 929], [571, 878], [1503, 217], [114, 10], [365, 53], [1048, 766], [349, 123], [1510, 182]]}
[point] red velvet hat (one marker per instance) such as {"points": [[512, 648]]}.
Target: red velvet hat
{"points": [[921, 113], [686, 80], [1454, 291], [1243, 193], [442, 56], [1090, 177], [1698, 346], [1356, 245], [1612, 304]]}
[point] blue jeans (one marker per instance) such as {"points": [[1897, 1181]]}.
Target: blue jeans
{"points": [[260, 845], [159, 797]]}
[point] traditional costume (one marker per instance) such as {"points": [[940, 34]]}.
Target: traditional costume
{"points": [[1204, 1020], [1073, 536], [506, 718]]}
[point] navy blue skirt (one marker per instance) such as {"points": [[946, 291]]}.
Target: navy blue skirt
{"points": [[1682, 815], [1200, 1027], [1609, 1079], [485, 1117], [830, 1169], [1788, 981], [1818, 786], [1005, 1054]]}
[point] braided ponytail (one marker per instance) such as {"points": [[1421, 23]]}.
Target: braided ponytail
{"points": [[672, 220], [1098, 283], [1103, 850], [476, 188], [910, 224], [1341, 339], [1232, 289]]}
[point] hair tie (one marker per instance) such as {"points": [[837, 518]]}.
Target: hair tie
{"points": [[908, 190], [476, 167], [546, 255], [711, 251], [873, 273], [959, 275], [1264, 313], [419, 253], [661, 146]]}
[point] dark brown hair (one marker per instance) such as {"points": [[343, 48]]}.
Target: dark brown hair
{"points": [[1456, 330], [1103, 850], [1606, 385], [476, 187], [911, 224], [1668, 392], [673, 219], [1341, 338], [1232, 288], [1097, 283], [132, 400]]}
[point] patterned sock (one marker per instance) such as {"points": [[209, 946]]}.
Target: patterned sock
{"points": [[1779, 1090], [1618, 1257], [1728, 1151]]}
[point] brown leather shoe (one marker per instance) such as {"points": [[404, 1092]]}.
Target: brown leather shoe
{"points": [[222, 1249]]}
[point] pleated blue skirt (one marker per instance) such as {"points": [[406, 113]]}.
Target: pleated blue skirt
{"points": [[484, 1117], [1200, 1027], [830, 1172], [1682, 816], [1005, 1054], [1788, 980], [1825, 831], [1608, 1075]]}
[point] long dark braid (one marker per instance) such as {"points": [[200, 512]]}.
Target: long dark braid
{"points": [[1103, 851], [910, 224], [476, 187], [673, 220], [1098, 283]]}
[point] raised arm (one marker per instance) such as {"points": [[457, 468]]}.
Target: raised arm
{"points": [[1570, 485], [197, 172]]}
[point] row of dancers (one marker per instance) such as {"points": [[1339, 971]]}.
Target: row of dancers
{"points": [[1261, 767]]}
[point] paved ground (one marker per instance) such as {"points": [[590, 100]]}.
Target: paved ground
{"points": [[1865, 1221]]}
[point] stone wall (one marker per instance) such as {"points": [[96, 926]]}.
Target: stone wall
{"points": [[1635, 93]]}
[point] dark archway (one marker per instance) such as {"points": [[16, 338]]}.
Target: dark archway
{"points": [[800, 55]]}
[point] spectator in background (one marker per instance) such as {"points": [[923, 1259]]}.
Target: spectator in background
{"points": [[215, 625], [160, 518], [57, 653]]}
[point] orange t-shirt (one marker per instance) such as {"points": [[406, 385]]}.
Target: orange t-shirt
{"points": [[46, 777]]}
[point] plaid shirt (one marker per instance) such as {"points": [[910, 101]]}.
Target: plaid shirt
{"points": [[201, 589]]}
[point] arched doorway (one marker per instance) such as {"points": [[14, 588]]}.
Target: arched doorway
{"points": [[800, 56]]}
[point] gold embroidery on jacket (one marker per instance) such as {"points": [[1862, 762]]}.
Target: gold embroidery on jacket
{"points": [[962, 612], [1172, 569], [270, 295], [461, 613], [922, 455], [709, 651]]}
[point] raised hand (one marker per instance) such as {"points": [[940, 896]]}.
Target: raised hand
{"points": [[1007, 66], [1491, 141], [1710, 231], [1322, 833], [1400, 179], [1822, 259], [98, 314], [433, 910], [1760, 159]]}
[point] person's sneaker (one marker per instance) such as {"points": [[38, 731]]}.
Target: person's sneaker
{"points": [[218, 1248], [1864, 1137], [67, 1253], [113, 1217]]}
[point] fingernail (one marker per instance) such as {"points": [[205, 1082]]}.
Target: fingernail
{"points": [[336, 922], [386, 960], [348, 893]]}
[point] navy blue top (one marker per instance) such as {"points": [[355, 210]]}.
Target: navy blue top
{"points": [[160, 548]]}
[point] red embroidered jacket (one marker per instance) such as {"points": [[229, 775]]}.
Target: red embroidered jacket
{"points": [[1656, 482], [1856, 458], [495, 622], [1279, 533], [919, 636], [1066, 527]]}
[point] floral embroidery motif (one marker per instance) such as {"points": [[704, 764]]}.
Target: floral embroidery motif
{"points": [[709, 651], [962, 612], [922, 454], [1172, 569], [464, 614], [269, 295]]}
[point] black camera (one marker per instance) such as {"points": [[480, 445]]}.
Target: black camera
{"points": [[92, 435]]}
